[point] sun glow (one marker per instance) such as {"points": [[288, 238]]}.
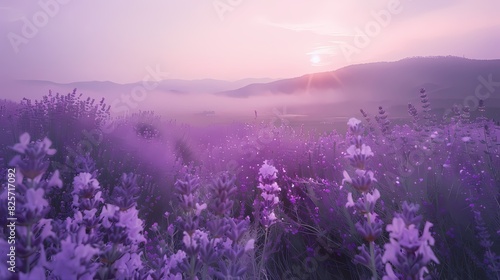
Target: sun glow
{"points": [[315, 59]]}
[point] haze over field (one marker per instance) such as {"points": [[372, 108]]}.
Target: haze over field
{"points": [[314, 60], [317, 97]]}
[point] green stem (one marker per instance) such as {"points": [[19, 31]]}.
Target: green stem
{"points": [[28, 237], [261, 266], [373, 268], [191, 270], [192, 263]]}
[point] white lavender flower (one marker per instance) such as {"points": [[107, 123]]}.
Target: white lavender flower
{"points": [[270, 191], [268, 171]]}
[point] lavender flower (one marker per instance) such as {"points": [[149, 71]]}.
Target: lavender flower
{"points": [[225, 256], [86, 192], [408, 252], [125, 195], [370, 228], [31, 205], [75, 261], [269, 193], [193, 238], [491, 259], [32, 162]]}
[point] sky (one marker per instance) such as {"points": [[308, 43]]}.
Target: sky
{"points": [[118, 40]]}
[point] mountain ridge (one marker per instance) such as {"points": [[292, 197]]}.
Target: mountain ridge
{"points": [[440, 73]]}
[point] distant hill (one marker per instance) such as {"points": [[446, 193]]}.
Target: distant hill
{"points": [[37, 88], [444, 77], [339, 93], [447, 80]]}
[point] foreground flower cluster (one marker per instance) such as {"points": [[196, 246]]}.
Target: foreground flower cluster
{"points": [[97, 241], [105, 239]]}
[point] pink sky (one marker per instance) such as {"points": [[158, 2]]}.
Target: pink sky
{"points": [[116, 40]]}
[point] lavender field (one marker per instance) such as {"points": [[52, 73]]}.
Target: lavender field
{"points": [[249, 140], [89, 196]]}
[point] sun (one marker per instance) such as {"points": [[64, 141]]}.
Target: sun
{"points": [[315, 59]]}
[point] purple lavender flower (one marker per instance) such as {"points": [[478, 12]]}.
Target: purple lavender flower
{"points": [[370, 228], [75, 261], [408, 251], [31, 226]]}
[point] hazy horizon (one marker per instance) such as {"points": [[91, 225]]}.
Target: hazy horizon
{"points": [[249, 80], [318, 98]]}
